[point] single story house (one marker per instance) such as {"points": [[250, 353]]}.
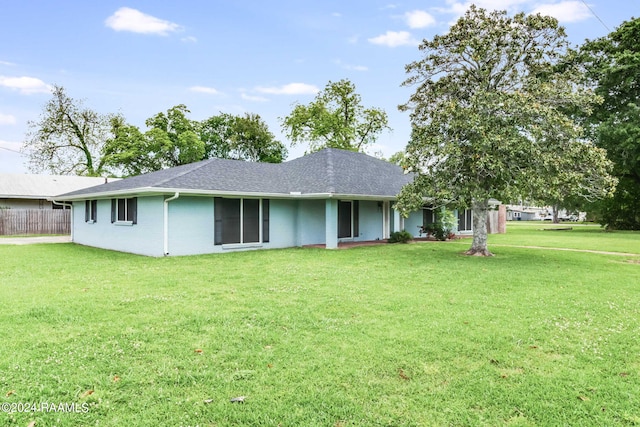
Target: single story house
{"points": [[25, 205], [219, 205], [26, 191]]}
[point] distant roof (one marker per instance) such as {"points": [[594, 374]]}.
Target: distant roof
{"points": [[324, 173], [22, 186]]}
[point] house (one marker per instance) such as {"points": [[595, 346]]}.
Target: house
{"points": [[219, 205], [545, 213], [22, 191], [25, 208]]}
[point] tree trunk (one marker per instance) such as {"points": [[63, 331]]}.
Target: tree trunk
{"points": [[554, 210], [479, 245]]}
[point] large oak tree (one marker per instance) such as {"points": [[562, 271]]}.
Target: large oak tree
{"points": [[489, 119]]}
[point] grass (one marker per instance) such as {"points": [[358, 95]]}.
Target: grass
{"points": [[390, 335], [585, 236]]}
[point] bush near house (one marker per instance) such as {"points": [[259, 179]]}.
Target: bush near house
{"points": [[400, 237]]}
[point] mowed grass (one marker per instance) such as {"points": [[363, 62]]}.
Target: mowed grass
{"points": [[390, 335]]}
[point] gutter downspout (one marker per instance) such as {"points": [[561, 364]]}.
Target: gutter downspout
{"points": [[63, 204], [166, 221]]}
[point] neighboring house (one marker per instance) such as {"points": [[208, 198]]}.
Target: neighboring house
{"points": [[544, 213], [21, 191], [219, 205]]}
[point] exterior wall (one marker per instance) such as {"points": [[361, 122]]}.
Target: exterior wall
{"points": [[25, 204], [191, 226], [145, 237], [413, 223], [370, 222], [311, 222], [283, 223]]}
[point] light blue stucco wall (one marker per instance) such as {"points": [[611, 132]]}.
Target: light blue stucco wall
{"points": [[311, 222], [143, 238], [413, 222], [191, 225], [371, 227]]}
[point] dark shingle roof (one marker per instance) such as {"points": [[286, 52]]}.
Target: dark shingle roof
{"points": [[330, 171]]}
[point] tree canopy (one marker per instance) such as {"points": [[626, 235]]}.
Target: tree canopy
{"points": [[67, 139], [489, 119], [70, 139], [241, 137], [612, 65], [335, 119], [173, 139]]}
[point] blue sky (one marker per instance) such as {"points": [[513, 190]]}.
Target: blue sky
{"points": [[139, 58]]}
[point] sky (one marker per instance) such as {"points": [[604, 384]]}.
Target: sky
{"points": [[139, 58]]}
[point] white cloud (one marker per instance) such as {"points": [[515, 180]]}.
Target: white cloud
{"points": [[127, 19], [419, 19], [253, 98], [189, 39], [565, 11], [25, 85], [290, 89], [7, 119], [351, 67], [9, 64], [394, 39], [204, 89], [458, 8]]}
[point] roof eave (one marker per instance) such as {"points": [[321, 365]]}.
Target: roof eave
{"points": [[153, 191]]}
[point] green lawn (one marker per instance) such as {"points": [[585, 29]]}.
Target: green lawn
{"points": [[390, 335]]}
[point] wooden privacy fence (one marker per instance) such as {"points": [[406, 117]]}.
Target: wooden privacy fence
{"points": [[35, 221]]}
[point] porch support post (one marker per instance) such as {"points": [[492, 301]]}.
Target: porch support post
{"points": [[331, 223], [398, 223]]}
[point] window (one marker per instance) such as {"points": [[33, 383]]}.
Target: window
{"points": [[239, 221], [124, 210], [90, 210], [55, 206], [348, 215], [464, 220], [429, 216]]}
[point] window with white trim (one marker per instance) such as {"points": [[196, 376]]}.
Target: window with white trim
{"points": [[124, 210], [240, 221], [90, 211], [465, 220]]}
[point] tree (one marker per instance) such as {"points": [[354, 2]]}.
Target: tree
{"points": [[612, 65], [242, 138], [488, 119], [173, 140], [397, 158], [129, 151], [67, 139], [335, 119]]}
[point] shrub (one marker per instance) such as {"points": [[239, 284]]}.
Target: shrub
{"points": [[443, 228], [400, 237]]}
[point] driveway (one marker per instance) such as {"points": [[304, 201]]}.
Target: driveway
{"points": [[32, 240]]}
